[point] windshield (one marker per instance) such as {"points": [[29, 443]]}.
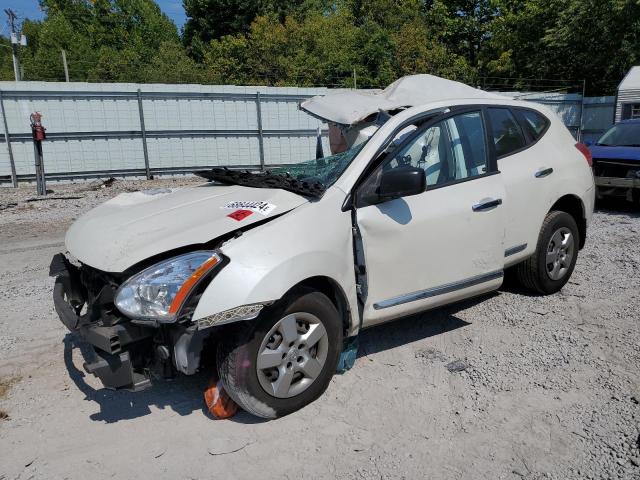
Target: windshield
{"points": [[621, 135], [311, 177], [325, 170]]}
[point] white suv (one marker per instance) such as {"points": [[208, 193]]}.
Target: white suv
{"points": [[279, 271]]}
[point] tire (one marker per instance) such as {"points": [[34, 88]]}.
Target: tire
{"points": [[259, 391], [535, 273]]}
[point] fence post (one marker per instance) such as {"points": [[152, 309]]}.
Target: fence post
{"points": [[144, 137], [581, 126], [14, 176], [260, 134]]}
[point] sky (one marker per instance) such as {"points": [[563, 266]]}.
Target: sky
{"points": [[31, 9]]}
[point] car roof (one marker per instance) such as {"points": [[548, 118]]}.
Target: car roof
{"points": [[350, 107]]}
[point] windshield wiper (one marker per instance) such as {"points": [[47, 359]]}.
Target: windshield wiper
{"points": [[263, 180]]}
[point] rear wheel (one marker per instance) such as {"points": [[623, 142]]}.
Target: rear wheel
{"points": [[286, 358], [552, 264]]}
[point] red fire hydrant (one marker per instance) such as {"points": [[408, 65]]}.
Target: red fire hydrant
{"points": [[38, 134]]}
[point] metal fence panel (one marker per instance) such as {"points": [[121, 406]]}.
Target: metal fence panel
{"points": [[97, 127]]}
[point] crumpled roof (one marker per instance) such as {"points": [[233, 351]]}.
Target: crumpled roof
{"points": [[631, 81], [351, 107]]}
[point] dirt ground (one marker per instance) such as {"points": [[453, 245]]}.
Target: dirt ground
{"points": [[541, 387]]}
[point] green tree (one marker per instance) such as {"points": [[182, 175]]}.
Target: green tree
{"points": [[326, 49], [592, 40], [105, 40], [213, 19], [171, 64], [463, 26]]}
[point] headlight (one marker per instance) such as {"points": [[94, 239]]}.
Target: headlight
{"points": [[158, 292]]}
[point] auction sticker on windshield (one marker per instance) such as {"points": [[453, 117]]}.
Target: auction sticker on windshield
{"points": [[263, 208]]}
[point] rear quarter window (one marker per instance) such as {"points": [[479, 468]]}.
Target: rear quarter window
{"points": [[534, 123]]}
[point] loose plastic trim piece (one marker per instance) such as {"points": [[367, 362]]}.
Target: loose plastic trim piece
{"points": [[348, 355], [218, 401], [244, 312]]}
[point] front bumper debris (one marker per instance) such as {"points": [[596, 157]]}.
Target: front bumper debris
{"points": [[617, 182], [618, 178], [115, 346]]}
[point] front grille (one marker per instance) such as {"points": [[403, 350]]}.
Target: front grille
{"points": [[611, 167]]}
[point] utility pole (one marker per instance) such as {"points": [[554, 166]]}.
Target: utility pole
{"points": [[16, 41], [64, 62], [11, 16]]}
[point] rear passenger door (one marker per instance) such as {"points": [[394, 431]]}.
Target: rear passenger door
{"points": [[526, 173]]}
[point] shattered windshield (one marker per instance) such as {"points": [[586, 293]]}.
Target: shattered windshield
{"points": [[325, 170], [311, 177]]}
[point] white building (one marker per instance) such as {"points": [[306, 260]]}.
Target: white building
{"points": [[628, 98]]}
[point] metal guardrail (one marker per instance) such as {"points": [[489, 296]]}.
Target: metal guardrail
{"points": [[143, 134]]}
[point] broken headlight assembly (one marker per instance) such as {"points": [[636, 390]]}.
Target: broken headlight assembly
{"points": [[159, 292]]}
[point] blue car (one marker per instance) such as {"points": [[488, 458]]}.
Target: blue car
{"points": [[616, 161]]}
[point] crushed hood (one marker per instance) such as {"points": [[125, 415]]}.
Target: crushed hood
{"points": [[135, 226], [349, 108]]}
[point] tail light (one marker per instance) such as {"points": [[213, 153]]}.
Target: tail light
{"points": [[586, 152]]}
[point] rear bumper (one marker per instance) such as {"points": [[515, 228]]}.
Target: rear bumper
{"points": [[111, 359]]}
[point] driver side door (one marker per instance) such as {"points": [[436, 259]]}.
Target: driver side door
{"points": [[444, 244]]}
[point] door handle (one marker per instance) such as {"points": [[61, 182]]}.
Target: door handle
{"points": [[487, 204], [545, 172]]}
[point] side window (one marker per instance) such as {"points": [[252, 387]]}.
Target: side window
{"points": [[451, 150], [507, 135], [534, 123], [630, 111]]}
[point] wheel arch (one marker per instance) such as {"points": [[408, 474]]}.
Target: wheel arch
{"points": [[334, 292], [573, 205]]}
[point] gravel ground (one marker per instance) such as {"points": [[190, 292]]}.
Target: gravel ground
{"points": [[505, 386]]}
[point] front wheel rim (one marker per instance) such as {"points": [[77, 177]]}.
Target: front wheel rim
{"points": [[559, 254], [292, 355]]}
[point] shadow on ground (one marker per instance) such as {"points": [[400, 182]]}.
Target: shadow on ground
{"points": [[184, 394], [415, 327], [617, 206]]}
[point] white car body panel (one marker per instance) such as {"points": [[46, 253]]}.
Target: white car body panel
{"points": [[135, 226], [268, 261], [436, 246], [413, 244]]}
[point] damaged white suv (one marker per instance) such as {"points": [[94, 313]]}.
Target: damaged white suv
{"points": [[439, 188]]}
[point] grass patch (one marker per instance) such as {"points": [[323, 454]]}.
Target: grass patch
{"points": [[6, 383]]}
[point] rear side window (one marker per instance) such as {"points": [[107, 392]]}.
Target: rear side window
{"points": [[534, 122], [507, 135]]}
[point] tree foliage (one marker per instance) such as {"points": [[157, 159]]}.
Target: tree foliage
{"points": [[329, 42]]}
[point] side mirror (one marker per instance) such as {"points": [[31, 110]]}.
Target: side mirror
{"points": [[402, 182]]}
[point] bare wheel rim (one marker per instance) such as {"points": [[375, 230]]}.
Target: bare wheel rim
{"points": [[560, 252], [292, 355]]}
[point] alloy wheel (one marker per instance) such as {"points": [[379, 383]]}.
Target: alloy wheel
{"points": [[560, 252], [292, 355]]}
